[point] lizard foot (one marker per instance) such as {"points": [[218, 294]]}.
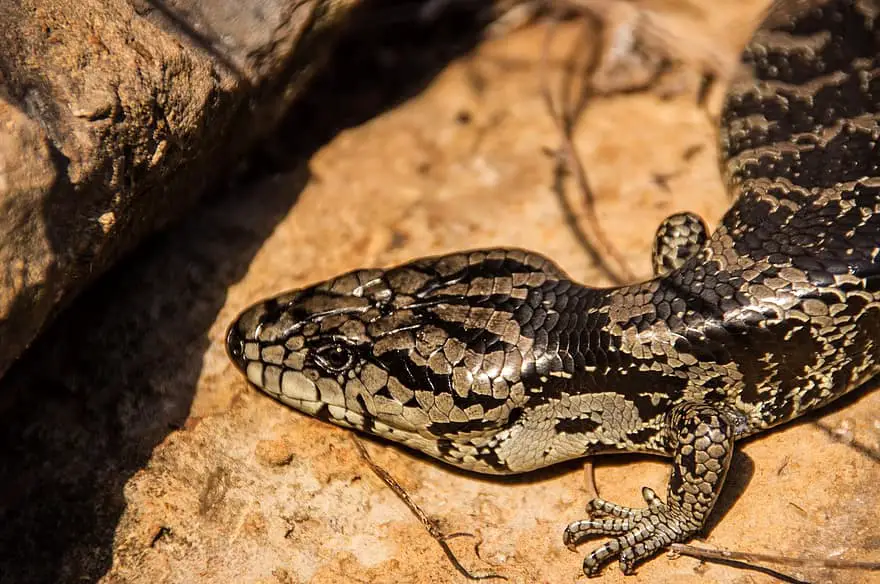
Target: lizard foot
{"points": [[638, 533]]}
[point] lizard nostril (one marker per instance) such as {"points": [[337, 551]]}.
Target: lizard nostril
{"points": [[235, 345]]}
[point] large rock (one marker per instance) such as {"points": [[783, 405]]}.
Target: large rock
{"points": [[115, 115]]}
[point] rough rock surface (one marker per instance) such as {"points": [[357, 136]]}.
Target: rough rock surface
{"points": [[135, 451], [115, 115]]}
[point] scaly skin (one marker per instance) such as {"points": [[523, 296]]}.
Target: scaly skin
{"points": [[496, 362]]}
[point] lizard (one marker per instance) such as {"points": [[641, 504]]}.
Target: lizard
{"points": [[496, 361]]}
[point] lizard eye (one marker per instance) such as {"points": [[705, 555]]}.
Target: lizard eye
{"points": [[334, 358]]}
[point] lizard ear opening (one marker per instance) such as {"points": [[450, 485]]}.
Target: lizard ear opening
{"points": [[515, 416]]}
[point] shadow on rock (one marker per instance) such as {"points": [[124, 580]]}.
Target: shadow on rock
{"points": [[109, 381]]}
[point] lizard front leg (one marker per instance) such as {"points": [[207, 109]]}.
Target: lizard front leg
{"points": [[679, 237], [702, 439]]}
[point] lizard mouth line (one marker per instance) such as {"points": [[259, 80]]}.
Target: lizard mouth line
{"points": [[333, 413], [343, 416]]}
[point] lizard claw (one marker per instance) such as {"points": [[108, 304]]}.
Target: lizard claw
{"points": [[638, 533]]}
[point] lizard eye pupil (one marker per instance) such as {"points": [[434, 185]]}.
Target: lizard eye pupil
{"points": [[334, 357]]}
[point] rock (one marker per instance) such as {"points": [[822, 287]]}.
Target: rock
{"points": [[114, 118]]}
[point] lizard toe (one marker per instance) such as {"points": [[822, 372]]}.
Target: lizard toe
{"points": [[640, 533]]}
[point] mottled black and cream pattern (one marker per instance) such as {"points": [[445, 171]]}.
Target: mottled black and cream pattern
{"points": [[497, 362]]}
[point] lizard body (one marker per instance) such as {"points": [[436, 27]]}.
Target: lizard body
{"points": [[497, 362]]}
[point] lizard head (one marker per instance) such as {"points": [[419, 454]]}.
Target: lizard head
{"points": [[440, 354]]}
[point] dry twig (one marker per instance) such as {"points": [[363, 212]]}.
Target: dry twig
{"points": [[440, 537], [751, 561], [564, 121]]}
